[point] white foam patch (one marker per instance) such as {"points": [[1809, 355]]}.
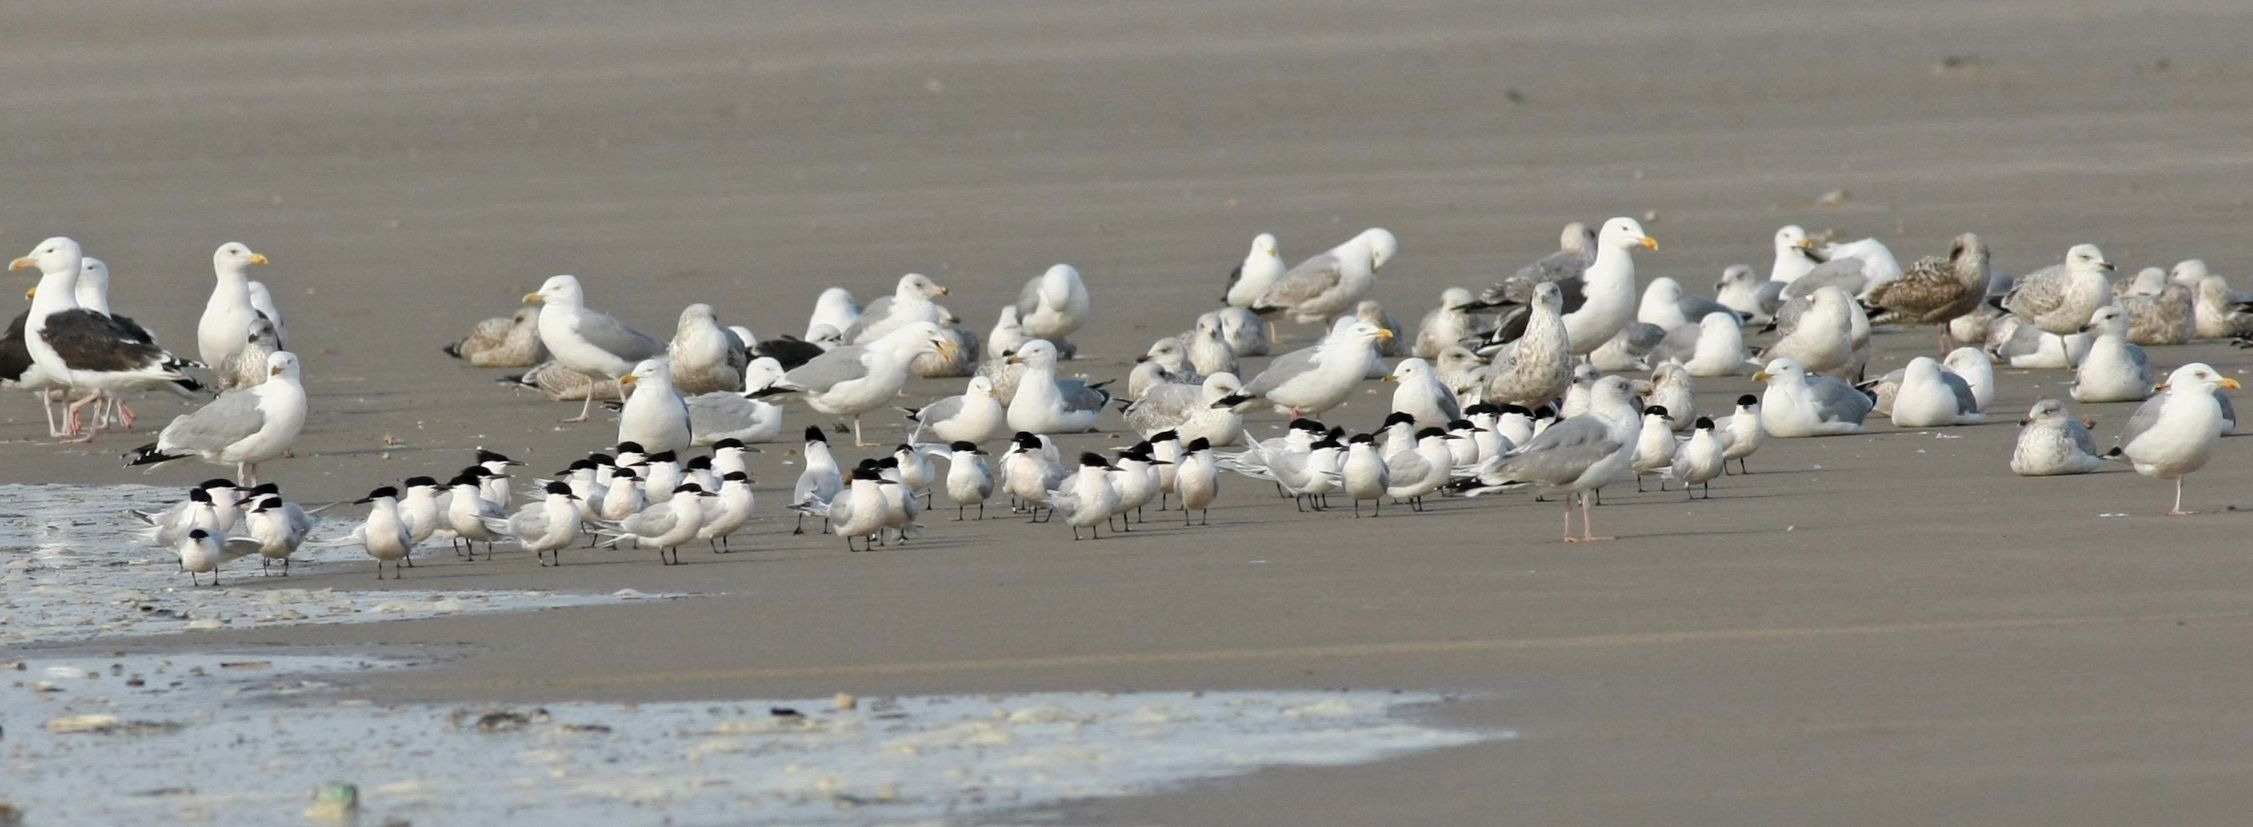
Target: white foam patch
{"points": [[71, 573], [238, 739]]}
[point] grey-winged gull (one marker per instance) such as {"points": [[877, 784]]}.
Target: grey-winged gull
{"points": [[1312, 380], [1795, 255], [1798, 405], [2060, 298], [2051, 442], [1816, 331], [1855, 267], [703, 356], [855, 379], [654, 413], [910, 302], [1573, 457], [975, 415], [1930, 397], [2174, 433], [1045, 404], [1188, 411], [1054, 304], [226, 316], [1743, 291], [1421, 394], [1330, 284], [2113, 370], [587, 341], [1208, 348], [242, 428], [1576, 247], [512, 342], [247, 367], [1258, 272], [835, 310], [1446, 325]]}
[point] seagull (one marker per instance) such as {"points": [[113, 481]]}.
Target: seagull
{"points": [[1576, 249], [1261, 267], [246, 367], [1313, 380], [1245, 333], [1664, 304], [1189, 410], [654, 414], [855, 379], [703, 356], [975, 415], [1207, 347], [1673, 389], [2050, 443], [2060, 298], [226, 316], [242, 428], [1601, 300], [1798, 405], [2160, 312], [1936, 290], [1795, 255], [586, 341], [1855, 267], [1007, 334], [1421, 393], [1741, 290], [1046, 405], [1054, 305], [201, 551], [82, 349], [1448, 324], [1330, 284], [1573, 457], [2174, 433], [1818, 334], [722, 415], [834, 310], [909, 304], [262, 300], [1930, 397], [1536, 367]]}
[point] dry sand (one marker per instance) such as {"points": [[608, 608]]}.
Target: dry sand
{"points": [[1875, 629]]}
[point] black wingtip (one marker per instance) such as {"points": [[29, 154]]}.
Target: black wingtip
{"points": [[454, 350], [1231, 400], [148, 455], [767, 391], [2115, 453]]}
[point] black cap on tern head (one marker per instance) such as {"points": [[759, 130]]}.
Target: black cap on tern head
{"points": [[664, 456], [964, 445], [494, 456], [265, 503], [1399, 418], [1483, 408], [1428, 433], [867, 473], [199, 495], [1308, 425], [216, 483], [421, 481], [813, 434], [1165, 435], [699, 463], [600, 458], [688, 488], [1092, 459], [1520, 410], [265, 488], [1747, 400], [1462, 425], [380, 493], [1654, 410], [578, 465], [461, 480], [559, 488], [904, 447], [1705, 423], [630, 448], [1027, 441], [477, 472], [621, 473], [1362, 439], [888, 462], [736, 476], [197, 534], [730, 442], [1326, 442], [868, 463], [1200, 444]]}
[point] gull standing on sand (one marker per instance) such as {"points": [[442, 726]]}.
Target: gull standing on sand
{"points": [[1047, 405], [226, 316], [1446, 325], [1799, 405], [2052, 442], [654, 414], [586, 341], [1936, 290], [1189, 410], [1053, 305], [703, 356], [1573, 457], [83, 349], [855, 379], [976, 415], [1329, 285], [2060, 298], [910, 303], [2174, 433], [2113, 370], [1251, 279], [1537, 366], [242, 428], [1312, 380]]}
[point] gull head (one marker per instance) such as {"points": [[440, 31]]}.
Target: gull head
{"points": [[557, 290], [1625, 233], [55, 255]]}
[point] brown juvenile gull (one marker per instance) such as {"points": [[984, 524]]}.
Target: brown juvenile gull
{"points": [[1935, 290], [512, 342]]}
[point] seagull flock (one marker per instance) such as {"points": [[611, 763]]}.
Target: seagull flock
{"points": [[1560, 378]]}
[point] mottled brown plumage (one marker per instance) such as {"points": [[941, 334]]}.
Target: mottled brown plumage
{"points": [[1936, 290]]}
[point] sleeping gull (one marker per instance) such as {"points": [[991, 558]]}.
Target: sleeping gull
{"points": [[1936, 290], [1719, 349], [2160, 312], [1258, 272], [1330, 284], [1309, 381], [1798, 405], [2060, 298], [586, 341], [1047, 405], [703, 356], [855, 379], [1977, 371], [2113, 370], [976, 415], [512, 342], [1537, 366], [835, 310], [1742, 291], [226, 316], [1053, 305], [2220, 313], [1006, 335], [1188, 411], [2050, 442], [242, 428], [2174, 433], [958, 360], [654, 414], [1856, 267], [909, 303], [1573, 457], [1664, 304], [85, 350], [1167, 360], [1673, 389]]}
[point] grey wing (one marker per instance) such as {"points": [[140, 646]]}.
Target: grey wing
{"points": [[1843, 273], [234, 548], [529, 521], [872, 315], [2229, 414], [1556, 458], [1311, 278], [1407, 465], [2081, 437], [1164, 406], [1965, 400], [1787, 316], [2144, 371], [227, 420], [1285, 368], [1836, 401], [1680, 343], [1560, 266], [2036, 292], [825, 371], [649, 522], [1696, 308], [1078, 396], [616, 337], [939, 411], [2146, 416]]}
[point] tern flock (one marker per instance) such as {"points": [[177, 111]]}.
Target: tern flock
{"points": [[1562, 377]]}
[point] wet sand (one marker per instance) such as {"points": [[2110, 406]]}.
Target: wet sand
{"points": [[1874, 629]]}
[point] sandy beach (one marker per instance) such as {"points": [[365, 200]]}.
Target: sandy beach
{"points": [[1882, 628]]}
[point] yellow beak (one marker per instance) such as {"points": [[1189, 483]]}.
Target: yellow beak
{"points": [[1650, 242], [24, 262], [2228, 383], [1013, 359], [942, 291], [1761, 376], [32, 293], [258, 258], [1388, 378], [627, 379], [1383, 333], [531, 298]]}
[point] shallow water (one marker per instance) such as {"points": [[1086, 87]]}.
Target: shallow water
{"points": [[248, 738], [71, 573]]}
